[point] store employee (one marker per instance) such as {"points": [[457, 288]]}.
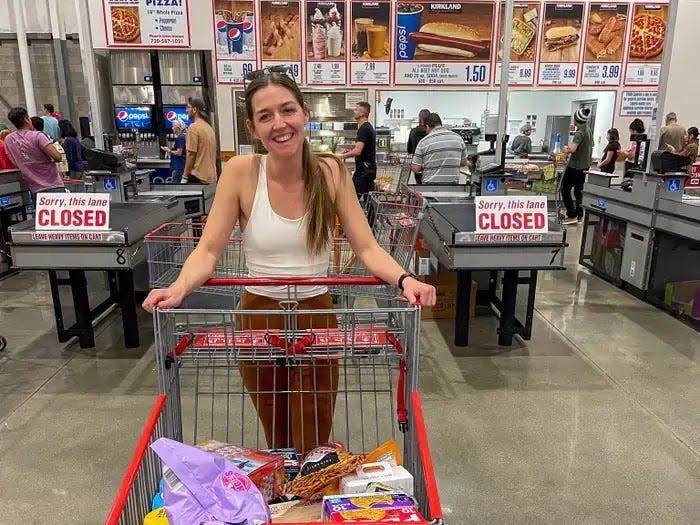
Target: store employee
{"points": [[522, 144], [365, 151]]}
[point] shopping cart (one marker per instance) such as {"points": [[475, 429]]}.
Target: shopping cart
{"points": [[200, 358], [74, 185], [394, 218], [391, 171]]}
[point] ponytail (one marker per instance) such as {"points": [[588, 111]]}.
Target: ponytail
{"points": [[320, 209]]}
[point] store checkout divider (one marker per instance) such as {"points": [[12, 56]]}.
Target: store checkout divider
{"points": [[93, 250], [496, 244]]}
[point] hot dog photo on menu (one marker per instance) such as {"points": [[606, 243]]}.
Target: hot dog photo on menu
{"points": [[607, 24], [562, 33], [444, 32]]}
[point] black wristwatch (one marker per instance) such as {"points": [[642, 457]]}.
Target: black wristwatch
{"points": [[401, 279]]}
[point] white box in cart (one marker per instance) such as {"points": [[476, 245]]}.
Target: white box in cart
{"points": [[397, 477]]}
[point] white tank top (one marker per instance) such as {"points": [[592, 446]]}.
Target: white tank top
{"points": [[275, 246]]}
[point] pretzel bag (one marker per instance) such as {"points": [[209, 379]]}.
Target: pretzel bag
{"points": [[321, 467]]}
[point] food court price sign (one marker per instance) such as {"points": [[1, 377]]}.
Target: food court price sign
{"points": [[370, 49], [234, 40], [523, 43], [146, 23], [602, 58], [443, 43], [646, 45], [561, 44], [325, 47], [280, 35]]}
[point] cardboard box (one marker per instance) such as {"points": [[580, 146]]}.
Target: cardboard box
{"points": [[683, 297], [445, 284]]}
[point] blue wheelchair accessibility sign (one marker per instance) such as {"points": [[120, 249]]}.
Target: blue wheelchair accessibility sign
{"points": [[4, 201], [674, 185], [110, 183], [491, 185]]}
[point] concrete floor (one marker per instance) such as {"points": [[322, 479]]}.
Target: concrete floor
{"points": [[594, 421]]}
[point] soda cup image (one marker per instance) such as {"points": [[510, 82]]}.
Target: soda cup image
{"points": [[235, 41], [408, 21], [221, 31], [248, 41]]}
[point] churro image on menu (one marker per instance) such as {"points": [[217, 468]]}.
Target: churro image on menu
{"points": [[280, 31]]}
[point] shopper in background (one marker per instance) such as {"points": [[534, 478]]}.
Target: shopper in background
{"points": [[581, 155], [607, 163], [200, 165], [38, 125], [286, 203], [5, 162], [178, 153], [672, 134], [415, 136], [34, 154], [73, 149], [636, 128], [440, 154], [690, 150], [522, 144], [50, 122], [51, 111], [364, 151]]}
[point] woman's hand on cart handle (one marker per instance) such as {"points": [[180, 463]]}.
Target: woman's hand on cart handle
{"points": [[163, 298], [418, 292]]}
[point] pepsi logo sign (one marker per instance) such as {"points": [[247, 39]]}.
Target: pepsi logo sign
{"points": [[122, 116], [171, 116]]}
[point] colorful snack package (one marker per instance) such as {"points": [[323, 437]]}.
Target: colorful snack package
{"points": [[393, 500], [156, 517], [201, 487], [291, 461], [264, 469], [402, 515], [321, 467], [387, 451]]}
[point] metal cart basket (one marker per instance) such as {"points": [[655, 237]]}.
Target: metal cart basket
{"points": [[363, 359]]}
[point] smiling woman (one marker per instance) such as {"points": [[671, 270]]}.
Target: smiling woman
{"points": [[286, 203]]}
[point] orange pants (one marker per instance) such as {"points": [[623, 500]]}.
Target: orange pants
{"points": [[295, 401]]}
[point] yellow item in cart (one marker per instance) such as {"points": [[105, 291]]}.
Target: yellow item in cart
{"points": [[549, 172], [156, 517], [387, 451]]}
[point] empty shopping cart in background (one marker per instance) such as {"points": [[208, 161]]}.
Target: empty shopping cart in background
{"points": [[202, 395]]}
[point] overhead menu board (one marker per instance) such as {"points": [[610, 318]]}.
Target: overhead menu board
{"points": [[523, 43], [370, 49], [646, 45], [605, 37], [443, 43], [146, 23], [280, 35], [561, 44], [325, 46], [234, 34]]}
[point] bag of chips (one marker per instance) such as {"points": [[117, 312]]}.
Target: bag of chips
{"points": [[321, 467]]}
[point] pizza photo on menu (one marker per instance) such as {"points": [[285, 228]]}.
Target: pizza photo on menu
{"points": [[648, 33], [126, 25]]}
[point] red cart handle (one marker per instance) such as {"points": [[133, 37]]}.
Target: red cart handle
{"points": [[180, 348], [401, 412], [294, 281]]}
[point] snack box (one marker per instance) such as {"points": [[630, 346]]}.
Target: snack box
{"points": [[264, 469], [402, 515], [292, 461], [392, 500], [358, 483]]}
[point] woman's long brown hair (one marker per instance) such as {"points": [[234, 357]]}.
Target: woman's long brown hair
{"points": [[320, 208]]}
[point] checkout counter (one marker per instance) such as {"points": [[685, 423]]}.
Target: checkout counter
{"points": [[91, 272], [646, 240], [511, 263]]}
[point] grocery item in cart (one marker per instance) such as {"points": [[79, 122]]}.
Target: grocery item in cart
{"points": [[397, 477], [296, 511], [344, 506], [292, 461], [387, 451], [321, 467], [156, 517], [264, 469], [402, 515], [201, 487]]}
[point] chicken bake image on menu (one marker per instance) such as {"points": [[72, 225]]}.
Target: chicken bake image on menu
{"points": [[432, 31], [607, 24]]}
